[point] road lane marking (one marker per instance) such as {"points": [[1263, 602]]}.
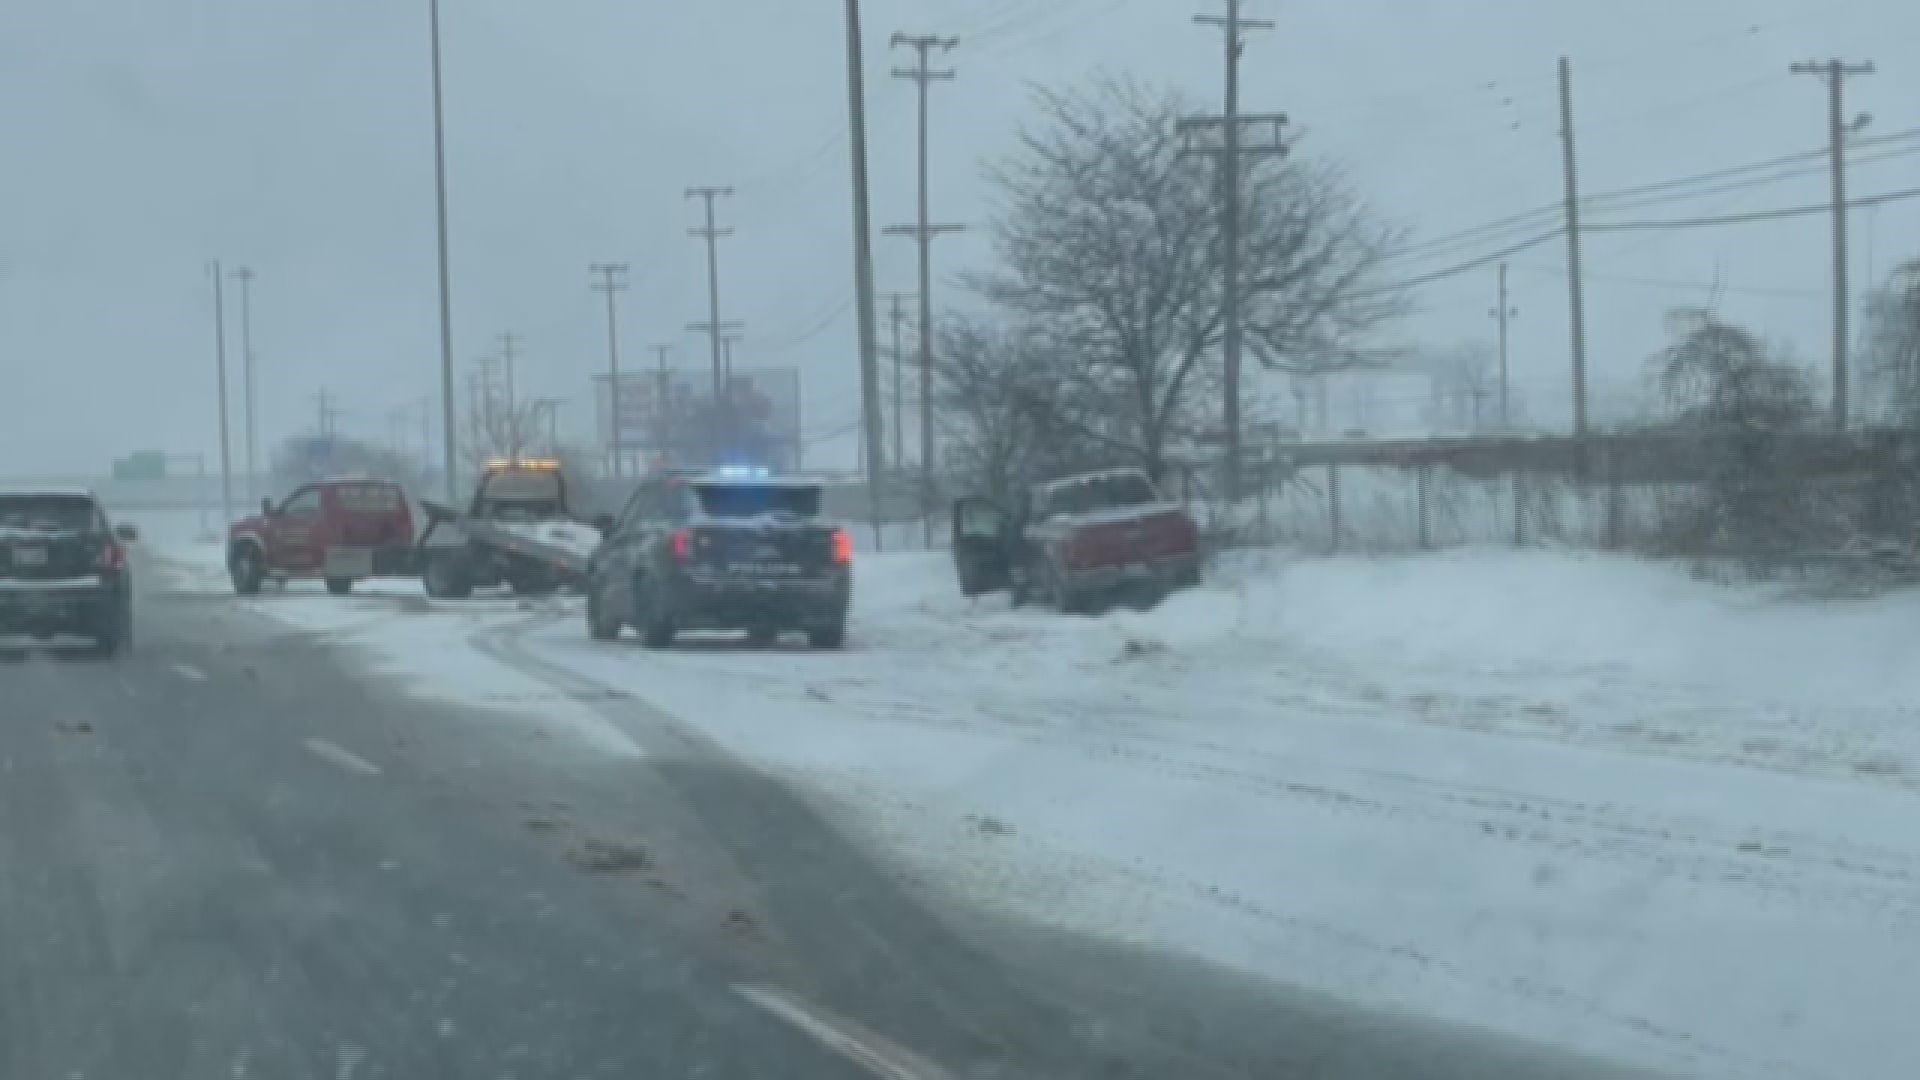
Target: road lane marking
{"points": [[862, 1047], [342, 757], [189, 673]]}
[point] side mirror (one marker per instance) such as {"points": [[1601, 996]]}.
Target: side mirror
{"points": [[126, 534], [266, 507], [604, 523]]}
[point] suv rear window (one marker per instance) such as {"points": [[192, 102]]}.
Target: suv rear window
{"points": [[46, 513], [755, 500], [367, 498]]}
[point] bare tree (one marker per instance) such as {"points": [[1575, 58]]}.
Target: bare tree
{"points": [[1891, 345], [1004, 421], [1109, 246], [1751, 412], [498, 429]]}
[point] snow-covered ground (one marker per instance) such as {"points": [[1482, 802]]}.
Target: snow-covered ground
{"points": [[1580, 798]]}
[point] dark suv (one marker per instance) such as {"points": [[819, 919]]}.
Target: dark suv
{"points": [[63, 568], [721, 551]]}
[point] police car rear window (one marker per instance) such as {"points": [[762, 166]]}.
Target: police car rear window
{"points": [[755, 500], [46, 513]]}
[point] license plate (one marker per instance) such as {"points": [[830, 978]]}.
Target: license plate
{"points": [[763, 569], [29, 556], [349, 562]]}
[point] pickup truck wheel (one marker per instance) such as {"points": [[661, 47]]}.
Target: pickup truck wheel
{"points": [[831, 636], [243, 565], [445, 577], [339, 586]]}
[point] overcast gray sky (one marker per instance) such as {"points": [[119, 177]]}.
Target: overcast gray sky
{"points": [[139, 138]]}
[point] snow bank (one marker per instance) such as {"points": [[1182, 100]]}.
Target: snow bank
{"points": [[1582, 799], [1579, 798]]}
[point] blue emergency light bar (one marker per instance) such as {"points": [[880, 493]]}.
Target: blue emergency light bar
{"points": [[742, 472]]}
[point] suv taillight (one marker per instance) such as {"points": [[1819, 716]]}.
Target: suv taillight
{"points": [[680, 543], [842, 547], [111, 557]]}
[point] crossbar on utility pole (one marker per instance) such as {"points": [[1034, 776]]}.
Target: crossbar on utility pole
{"points": [[612, 279], [1233, 27], [1835, 73]]}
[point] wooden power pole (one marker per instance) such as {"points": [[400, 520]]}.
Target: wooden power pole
{"points": [[612, 279], [1576, 292], [924, 231], [1231, 147], [1835, 72]]}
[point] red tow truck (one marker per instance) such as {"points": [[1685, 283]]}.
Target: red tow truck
{"points": [[1080, 543]]}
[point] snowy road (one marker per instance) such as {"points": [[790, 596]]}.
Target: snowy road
{"points": [[1585, 801]]}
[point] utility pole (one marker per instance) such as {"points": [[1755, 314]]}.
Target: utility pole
{"points": [[863, 268], [508, 342], [1835, 72], [245, 275], [446, 304], [712, 235], [924, 231], [1234, 27], [726, 360], [612, 280], [662, 432], [328, 414], [899, 419], [1502, 312], [1577, 296], [220, 369]]}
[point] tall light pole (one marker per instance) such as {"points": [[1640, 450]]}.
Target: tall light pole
{"points": [[612, 280], [446, 304], [220, 370], [245, 275], [863, 267]]}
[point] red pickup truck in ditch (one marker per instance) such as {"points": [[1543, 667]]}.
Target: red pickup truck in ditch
{"points": [[1080, 543]]}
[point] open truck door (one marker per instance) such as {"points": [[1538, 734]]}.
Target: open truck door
{"points": [[983, 545]]}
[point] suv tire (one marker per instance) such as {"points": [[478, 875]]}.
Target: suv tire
{"points": [[602, 625], [831, 636]]}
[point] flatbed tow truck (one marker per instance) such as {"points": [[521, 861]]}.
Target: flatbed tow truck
{"points": [[518, 531]]}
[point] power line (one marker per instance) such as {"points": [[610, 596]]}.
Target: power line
{"points": [[1461, 268], [1756, 215], [1519, 222]]}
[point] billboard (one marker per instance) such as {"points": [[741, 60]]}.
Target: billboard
{"points": [[672, 416]]}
